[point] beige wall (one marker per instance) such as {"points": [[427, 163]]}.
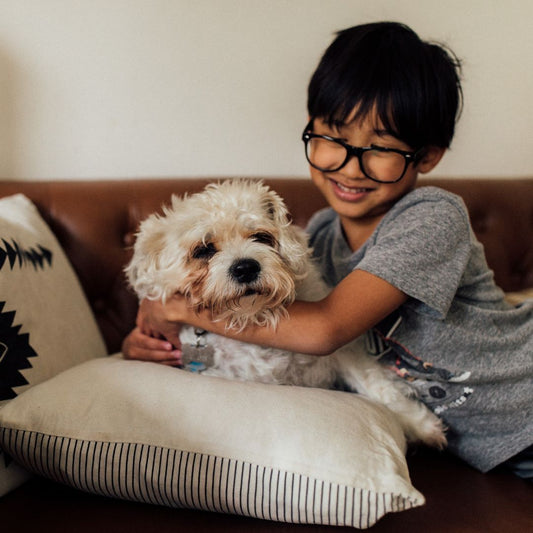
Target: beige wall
{"points": [[131, 88]]}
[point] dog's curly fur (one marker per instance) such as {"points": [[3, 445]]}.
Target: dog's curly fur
{"points": [[231, 248]]}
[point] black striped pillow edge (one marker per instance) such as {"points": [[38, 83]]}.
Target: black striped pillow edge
{"points": [[183, 479]]}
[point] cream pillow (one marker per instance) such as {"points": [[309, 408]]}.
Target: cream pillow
{"points": [[151, 433], [46, 325]]}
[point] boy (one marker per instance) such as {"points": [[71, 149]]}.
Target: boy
{"points": [[404, 263]]}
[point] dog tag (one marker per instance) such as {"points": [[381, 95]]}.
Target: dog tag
{"points": [[199, 356]]}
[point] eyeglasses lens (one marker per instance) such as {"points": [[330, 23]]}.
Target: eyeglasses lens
{"points": [[330, 156]]}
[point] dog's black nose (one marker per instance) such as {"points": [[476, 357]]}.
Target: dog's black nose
{"points": [[245, 270]]}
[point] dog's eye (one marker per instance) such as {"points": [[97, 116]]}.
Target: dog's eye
{"points": [[264, 238], [204, 251]]}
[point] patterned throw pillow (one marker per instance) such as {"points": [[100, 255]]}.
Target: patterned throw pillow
{"points": [[46, 324], [150, 433]]}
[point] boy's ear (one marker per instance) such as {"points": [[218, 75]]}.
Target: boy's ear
{"points": [[430, 159]]}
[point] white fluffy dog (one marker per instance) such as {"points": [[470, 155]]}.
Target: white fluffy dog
{"points": [[232, 249]]}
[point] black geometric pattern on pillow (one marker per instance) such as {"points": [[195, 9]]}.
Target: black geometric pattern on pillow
{"points": [[15, 350], [15, 254]]}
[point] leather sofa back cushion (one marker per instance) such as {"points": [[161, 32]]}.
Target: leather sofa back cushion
{"points": [[95, 222]]}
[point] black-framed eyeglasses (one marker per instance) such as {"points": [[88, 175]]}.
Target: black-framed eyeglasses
{"points": [[378, 163]]}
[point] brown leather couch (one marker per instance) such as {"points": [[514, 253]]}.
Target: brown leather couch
{"points": [[95, 222]]}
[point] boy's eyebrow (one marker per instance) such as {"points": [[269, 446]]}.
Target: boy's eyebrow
{"points": [[379, 130], [382, 132]]}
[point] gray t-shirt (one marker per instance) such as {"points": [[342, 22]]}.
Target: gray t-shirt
{"points": [[466, 351]]}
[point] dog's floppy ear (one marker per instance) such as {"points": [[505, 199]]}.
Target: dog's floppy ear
{"points": [[271, 209], [295, 250], [144, 268], [275, 208], [293, 241], [148, 244], [152, 271]]}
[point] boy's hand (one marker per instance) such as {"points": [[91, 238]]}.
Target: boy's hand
{"points": [[137, 345], [160, 320]]}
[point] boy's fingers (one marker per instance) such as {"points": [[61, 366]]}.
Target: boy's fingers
{"points": [[157, 356], [158, 344], [139, 346]]}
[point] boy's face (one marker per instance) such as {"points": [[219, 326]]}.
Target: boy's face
{"points": [[348, 191]]}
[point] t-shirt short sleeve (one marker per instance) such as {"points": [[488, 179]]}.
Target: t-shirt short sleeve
{"points": [[423, 248]]}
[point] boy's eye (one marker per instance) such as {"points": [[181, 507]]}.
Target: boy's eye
{"points": [[263, 237], [204, 251], [382, 148]]}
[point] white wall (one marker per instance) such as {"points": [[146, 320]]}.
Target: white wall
{"points": [[133, 88]]}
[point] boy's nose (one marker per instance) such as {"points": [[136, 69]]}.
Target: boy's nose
{"points": [[352, 169]]}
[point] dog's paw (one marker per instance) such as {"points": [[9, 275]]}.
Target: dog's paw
{"points": [[431, 432]]}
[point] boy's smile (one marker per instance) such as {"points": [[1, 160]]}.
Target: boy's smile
{"points": [[349, 193]]}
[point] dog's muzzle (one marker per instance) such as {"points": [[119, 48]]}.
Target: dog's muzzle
{"points": [[245, 270]]}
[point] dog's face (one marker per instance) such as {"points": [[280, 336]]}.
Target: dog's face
{"points": [[230, 249]]}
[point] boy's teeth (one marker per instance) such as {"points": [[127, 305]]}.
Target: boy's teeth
{"points": [[350, 189]]}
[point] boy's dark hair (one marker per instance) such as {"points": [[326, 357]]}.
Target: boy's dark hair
{"points": [[414, 85]]}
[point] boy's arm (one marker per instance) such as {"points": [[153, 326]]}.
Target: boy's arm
{"points": [[359, 302]]}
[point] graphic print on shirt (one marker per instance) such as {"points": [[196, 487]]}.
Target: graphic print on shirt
{"points": [[439, 388]]}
